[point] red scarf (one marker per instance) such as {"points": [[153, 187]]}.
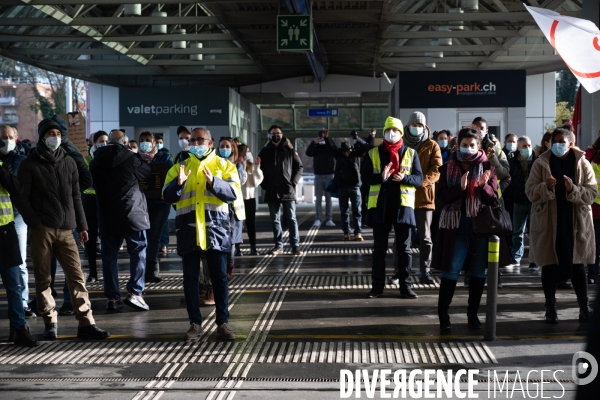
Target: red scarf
{"points": [[394, 156]]}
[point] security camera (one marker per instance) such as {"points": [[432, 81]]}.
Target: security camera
{"points": [[386, 78]]}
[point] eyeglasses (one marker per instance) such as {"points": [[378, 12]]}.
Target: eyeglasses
{"points": [[199, 140]]}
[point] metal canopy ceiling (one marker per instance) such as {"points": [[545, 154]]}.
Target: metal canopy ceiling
{"points": [[94, 40]]}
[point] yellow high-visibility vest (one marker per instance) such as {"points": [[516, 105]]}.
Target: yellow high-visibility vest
{"points": [[91, 191], [194, 196], [407, 193], [597, 173], [7, 215]]}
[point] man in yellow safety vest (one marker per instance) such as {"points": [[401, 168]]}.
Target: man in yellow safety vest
{"points": [[393, 171], [201, 188]]}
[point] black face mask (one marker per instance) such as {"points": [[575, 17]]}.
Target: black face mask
{"points": [[275, 139]]}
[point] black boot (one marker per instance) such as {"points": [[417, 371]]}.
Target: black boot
{"points": [[475, 292], [238, 250], [22, 337], [447, 288], [152, 271], [253, 251], [584, 309], [551, 314]]}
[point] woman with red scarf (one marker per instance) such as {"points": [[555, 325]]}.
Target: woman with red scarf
{"points": [[393, 171], [466, 182]]}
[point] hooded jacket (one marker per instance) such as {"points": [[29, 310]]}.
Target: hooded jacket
{"points": [[85, 178], [117, 173], [51, 194], [282, 169]]}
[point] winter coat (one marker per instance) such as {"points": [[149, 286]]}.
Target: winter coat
{"points": [[377, 215], [13, 159], [85, 178], [324, 156], [445, 242], [282, 169], [430, 158], [347, 171], [117, 173], [10, 255], [51, 193], [543, 229], [253, 179], [165, 158], [515, 192]]}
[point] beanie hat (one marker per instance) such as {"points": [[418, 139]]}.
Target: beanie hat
{"points": [[392, 122], [64, 130], [98, 134], [417, 118], [46, 125]]}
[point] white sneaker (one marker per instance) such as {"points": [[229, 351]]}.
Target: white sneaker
{"points": [[317, 222], [330, 223]]}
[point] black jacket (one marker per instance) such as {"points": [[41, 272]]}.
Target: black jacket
{"points": [[282, 169], [85, 178], [515, 192], [324, 154], [347, 169], [117, 173], [51, 195]]}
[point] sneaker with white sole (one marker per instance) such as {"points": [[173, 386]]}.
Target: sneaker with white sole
{"points": [[194, 331], [330, 223], [317, 222], [225, 333], [136, 302]]}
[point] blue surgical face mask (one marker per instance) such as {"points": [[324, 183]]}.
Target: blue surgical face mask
{"points": [[225, 152], [145, 147], [443, 143], [468, 150], [560, 149], [159, 146], [198, 151], [322, 143], [526, 153], [511, 146], [102, 144], [416, 130]]}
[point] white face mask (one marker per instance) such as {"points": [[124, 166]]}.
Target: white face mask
{"points": [[133, 150], [53, 142], [184, 144], [392, 135], [249, 158], [9, 145]]}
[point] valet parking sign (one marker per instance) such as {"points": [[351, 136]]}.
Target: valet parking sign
{"points": [[576, 40]]}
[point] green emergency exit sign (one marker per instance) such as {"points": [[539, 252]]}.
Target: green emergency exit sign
{"points": [[294, 33]]}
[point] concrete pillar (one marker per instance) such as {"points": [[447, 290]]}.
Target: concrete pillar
{"points": [[590, 103]]}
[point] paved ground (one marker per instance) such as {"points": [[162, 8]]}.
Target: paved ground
{"points": [[299, 321]]}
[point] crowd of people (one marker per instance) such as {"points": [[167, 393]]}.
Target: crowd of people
{"points": [[428, 187]]}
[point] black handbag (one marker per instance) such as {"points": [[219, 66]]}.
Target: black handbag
{"points": [[492, 220]]}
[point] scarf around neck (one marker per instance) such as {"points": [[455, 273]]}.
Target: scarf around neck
{"points": [[451, 214], [148, 157], [394, 156], [414, 142]]}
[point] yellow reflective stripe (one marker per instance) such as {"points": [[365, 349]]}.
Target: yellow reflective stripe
{"points": [[5, 199], [493, 252], [187, 195], [5, 211], [185, 210]]}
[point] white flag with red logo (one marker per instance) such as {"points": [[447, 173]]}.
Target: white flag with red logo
{"points": [[576, 40]]}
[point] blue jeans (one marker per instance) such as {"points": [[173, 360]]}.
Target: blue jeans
{"points": [[11, 277], [468, 245], [289, 210], [352, 194], [217, 266], [164, 236], [21, 229], [520, 216], [320, 182], [136, 247]]}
